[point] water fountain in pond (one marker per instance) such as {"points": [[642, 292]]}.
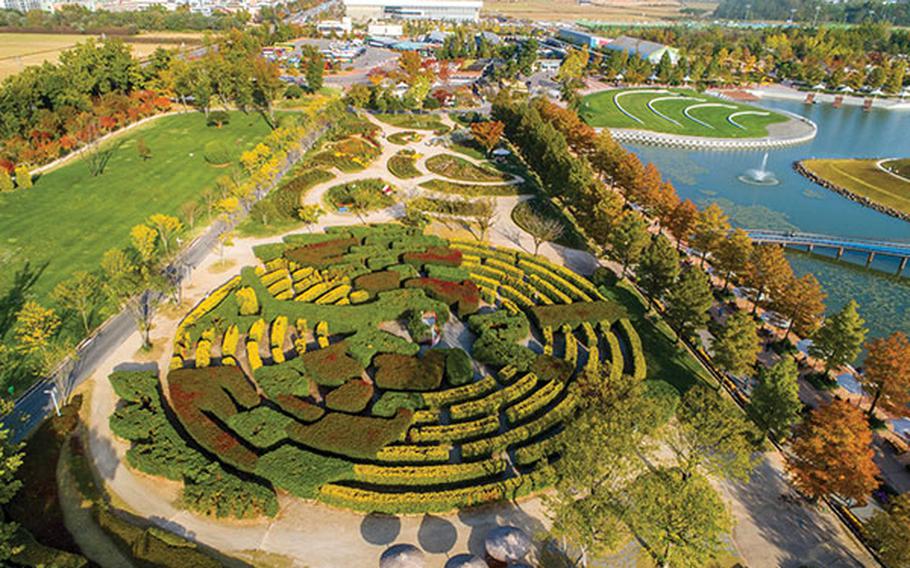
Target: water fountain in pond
{"points": [[760, 176]]}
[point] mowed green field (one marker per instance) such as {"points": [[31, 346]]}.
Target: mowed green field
{"points": [[676, 111], [69, 218], [864, 178]]}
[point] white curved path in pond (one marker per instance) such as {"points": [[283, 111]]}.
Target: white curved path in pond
{"points": [[688, 112], [767, 533]]}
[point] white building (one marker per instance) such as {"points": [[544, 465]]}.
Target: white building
{"points": [[452, 10], [385, 30]]}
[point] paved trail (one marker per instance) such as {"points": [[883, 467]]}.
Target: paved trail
{"points": [[768, 532]]}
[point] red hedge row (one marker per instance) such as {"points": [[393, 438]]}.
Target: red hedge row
{"points": [[434, 255], [354, 436], [320, 255]]}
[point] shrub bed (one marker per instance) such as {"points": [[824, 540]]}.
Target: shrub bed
{"points": [[376, 282], [457, 168], [471, 189], [460, 394], [330, 366], [402, 372], [491, 403], [353, 396], [353, 436], [576, 314], [464, 296], [390, 401], [366, 194], [428, 475], [403, 165], [434, 255], [404, 138], [630, 336], [455, 432], [459, 368]]}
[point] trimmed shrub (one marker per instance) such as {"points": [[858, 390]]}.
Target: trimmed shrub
{"points": [[549, 368], [368, 342], [459, 394], [376, 282], [630, 336], [450, 273], [390, 401], [350, 435], [299, 408], [428, 475], [434, 255], [247, 302], [320, 254], [455, 432], [330, 366], [262, 426], [459, 367], [218, 153], [575, 314], [301, 472], [491, 403], [353, 396], [401, 372], [463, 295], [277, 380]]}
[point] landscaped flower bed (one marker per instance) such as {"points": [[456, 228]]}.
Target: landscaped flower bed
{"points": [[460, 169], [306, 372]]}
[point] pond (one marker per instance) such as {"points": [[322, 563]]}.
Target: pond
{"points": [[795, 203]]}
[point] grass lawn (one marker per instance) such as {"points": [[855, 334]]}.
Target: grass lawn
{"points": [[901, 166], [865, 179], [415, 121], [69, 218], [605, 109], [454, 167]]}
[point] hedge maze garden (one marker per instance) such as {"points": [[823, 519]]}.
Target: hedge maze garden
{"points": [[317, 373]]}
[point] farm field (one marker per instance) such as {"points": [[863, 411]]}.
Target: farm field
{"points": [[676, 111], [865, 179], [570, 10], [69, 218], [21, 50]]}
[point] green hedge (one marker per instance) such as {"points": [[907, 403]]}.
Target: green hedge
{"points": [[263, 427], [464, 296], [459, 367], [376, 282], [152, 547], [282, 379], [471, 189], [331, 366], [449, 273], [366, 343], [302, 472]]}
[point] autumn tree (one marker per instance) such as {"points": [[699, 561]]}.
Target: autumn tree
{"points": [[658, 268], [712, 434], [775, 400], [487, 133], [542, 229], [144, 239], [79, 293], [23, 177], [190, 210], [711, 229], [840, 338], [888, 530], [6, 182], [832, 453], [887, 371], [628, 238], [683, 220], [733, 255], [770, 274], [737, 346], [34, 329], [804, 304], [689, 301], [167, 226], [680, 518], [309, 214]]}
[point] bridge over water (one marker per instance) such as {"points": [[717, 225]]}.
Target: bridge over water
{"points": [[811, 241]]}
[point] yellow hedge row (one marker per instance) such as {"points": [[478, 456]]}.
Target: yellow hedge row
{"points": [[209, 303], [334, 295], [229, 345], [314, 292], [257, 331], [427, 474], [252, 355], [454, 432], [457, 394], [203, 353], [414, 453], [538, 399], [249, 303], [491, 403]]}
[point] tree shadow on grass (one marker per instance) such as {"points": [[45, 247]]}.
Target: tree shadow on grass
{"points": [[11, 302]]}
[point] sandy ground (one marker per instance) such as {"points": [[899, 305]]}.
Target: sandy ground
{"points": [[768, 531]]}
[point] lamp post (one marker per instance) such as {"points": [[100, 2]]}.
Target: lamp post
{"points": [[53, 392]]}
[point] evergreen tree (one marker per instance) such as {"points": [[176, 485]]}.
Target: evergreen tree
{"points": [[658, 268], [775, 400], [689, 302], [888, 531], [840, 338], [737, 346]]}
